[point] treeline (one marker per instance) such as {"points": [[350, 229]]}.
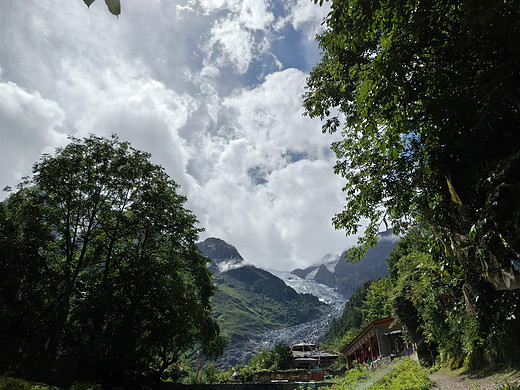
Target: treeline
{"points": [[100, 276], [424, 291], [268, 359]]}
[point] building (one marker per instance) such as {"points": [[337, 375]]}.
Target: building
{"points": [[309, 356], [381, 338]]}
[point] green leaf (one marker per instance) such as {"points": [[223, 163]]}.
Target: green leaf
{"points": [[88, 3], [114, 6]]}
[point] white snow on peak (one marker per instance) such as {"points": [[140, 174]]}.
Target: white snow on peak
{"points": [[325, 293]]}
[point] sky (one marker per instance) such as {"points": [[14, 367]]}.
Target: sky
{"points": [[211, 88]]}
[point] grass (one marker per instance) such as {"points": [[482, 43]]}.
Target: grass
{"points": [[408, 375], [402, 374], [352, 378], [241, 311], [507, 386]]}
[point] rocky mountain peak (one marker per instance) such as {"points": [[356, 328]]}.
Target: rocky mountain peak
{"points": [[218, 249], [223, 256], [334, 271]]}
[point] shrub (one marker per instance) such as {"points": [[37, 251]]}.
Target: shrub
{"points": [[85, 386], [406, 376], [14, 384], [351, 378]]}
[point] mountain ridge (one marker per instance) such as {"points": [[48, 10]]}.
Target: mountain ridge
{"points": [[258, 308], [345, 276], [251, 301]]}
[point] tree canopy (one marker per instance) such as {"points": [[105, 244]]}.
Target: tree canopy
{"points": [[427, 98], [100, 270], [425, 295]]}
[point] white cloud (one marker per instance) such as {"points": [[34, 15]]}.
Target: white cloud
{"points": [[231, 43], [278, 214], [252, 14], [196, 84], [28, 124], [268, 126], [212, 5], [239, 37], [140, 109], [307, 14], [272, 115], [255, 15]]}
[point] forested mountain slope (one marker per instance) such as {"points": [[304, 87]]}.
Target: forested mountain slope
{"points": [[251, 301]]}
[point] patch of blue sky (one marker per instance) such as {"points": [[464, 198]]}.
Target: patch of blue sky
{"points": [[292, 157], [278, 8], [291, 51], [327, 152], [258, 70], [257, 175]]}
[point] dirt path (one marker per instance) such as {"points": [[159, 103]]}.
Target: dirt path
{"points": [[450, 380]]}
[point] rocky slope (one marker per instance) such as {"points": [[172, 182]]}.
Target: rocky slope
{"points": [[335, 272], [251, 302]]}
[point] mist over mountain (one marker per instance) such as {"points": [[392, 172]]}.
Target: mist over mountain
{"points": [[222, 254]]}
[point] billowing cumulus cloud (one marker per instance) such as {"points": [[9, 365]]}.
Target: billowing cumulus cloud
{"points": [[239, 37], [212, 89], [231, 43], [274, 169], [29, 123]]}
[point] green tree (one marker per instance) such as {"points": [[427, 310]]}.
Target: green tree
{"points": [[378, 302], [428, 299], [426, 98], [412, 242], [210, 374], [283, 356], [263, 360], [25, 299], [429, 94], [129, 290], [424, 292], [403, 280]]}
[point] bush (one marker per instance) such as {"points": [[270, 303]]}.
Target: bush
{"points": [[351, 378], [14, 384], [406, 376], [85, 386]]}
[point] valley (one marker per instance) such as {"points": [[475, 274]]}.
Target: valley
{"points": [[260, 308]]}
